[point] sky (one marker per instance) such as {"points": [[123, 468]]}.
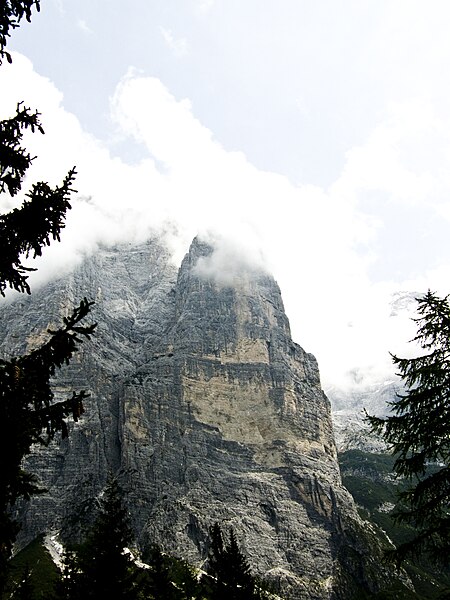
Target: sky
{"points": [[311, 139]]}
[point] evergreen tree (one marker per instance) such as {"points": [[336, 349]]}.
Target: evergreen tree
{"points": [[11, 13], [418, 432], [101, 567], [231, 576], [159, 581], [24, 589], [28, 413], [185, 579], [168, 578], [216, 553]]}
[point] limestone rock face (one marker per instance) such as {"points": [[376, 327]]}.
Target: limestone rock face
{"points": [[351, 432], [207, 409]]}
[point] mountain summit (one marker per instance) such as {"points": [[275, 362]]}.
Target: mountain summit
{"points": [[209, 412]]}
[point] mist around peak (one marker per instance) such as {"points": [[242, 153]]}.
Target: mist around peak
{"points": [[320, 244], [232, 260]]}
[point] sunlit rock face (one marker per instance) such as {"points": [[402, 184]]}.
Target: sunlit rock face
{"points": [[206, 409]]}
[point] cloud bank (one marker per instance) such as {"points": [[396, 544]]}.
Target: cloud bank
{"points": [[320, 244]]}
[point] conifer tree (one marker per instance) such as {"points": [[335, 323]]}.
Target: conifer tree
{"points": [[231, 574], [28, 413], [418, 432], [159, 582], [11, 13], [101, 567], [216, 553], [169, 578], [24, 589]]}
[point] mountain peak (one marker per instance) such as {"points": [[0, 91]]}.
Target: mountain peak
{"points": [[207, 409]]}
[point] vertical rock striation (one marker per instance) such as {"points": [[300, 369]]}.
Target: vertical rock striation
{"points": [[207, 408]]}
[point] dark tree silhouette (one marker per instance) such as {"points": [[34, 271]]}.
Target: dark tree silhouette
{"points": [[230, 572], [25, 231], [11, 13], [159, 580], [168, 578], [418, 432], [24, 588], [28, 413], [100, 567]]}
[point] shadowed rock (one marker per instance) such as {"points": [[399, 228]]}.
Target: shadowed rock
{"points": [[209, 410]]}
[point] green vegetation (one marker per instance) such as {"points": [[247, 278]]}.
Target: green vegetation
{"points": [[170, 577], [34, 566], [28, 413], [373, 484], [99, 567], [230, 573], [418, 432]]}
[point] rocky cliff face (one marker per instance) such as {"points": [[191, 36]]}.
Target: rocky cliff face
{"points": [[208, 410], [351, 432]]}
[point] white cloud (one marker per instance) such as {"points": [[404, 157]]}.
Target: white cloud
{"points": [[308, 234], [204, 6], [178, 46], [84, 27], [319, 243], [234, 260], [405, 156]]}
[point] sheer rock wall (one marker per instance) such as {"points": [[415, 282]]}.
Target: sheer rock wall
{"points": [[207, 409]]}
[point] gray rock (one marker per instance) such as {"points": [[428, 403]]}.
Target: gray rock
{"points": [[207, 409]]}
